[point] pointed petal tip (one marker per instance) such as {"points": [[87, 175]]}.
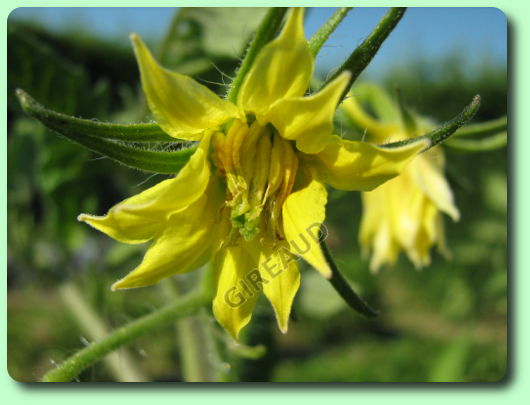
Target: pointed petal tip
{"points": [[326, 273], [454, 214], [116, 285], [345, 75], [234, 334], [136, 41], [91, 220], [122, 284], [129, 283]]}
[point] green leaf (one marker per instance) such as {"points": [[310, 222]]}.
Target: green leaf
{"points": [[100, 138], [364, 53], [447, 129], [323, 33]]}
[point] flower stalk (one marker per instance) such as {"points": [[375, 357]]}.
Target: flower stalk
{"points": [[119, 363], [364, 53], [343, 288], [323, 33], [84, 358]]}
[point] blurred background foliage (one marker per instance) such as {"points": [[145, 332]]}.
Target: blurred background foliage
{"points": [[445, 323]]}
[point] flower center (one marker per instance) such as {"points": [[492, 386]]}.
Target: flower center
{"points": [[260, 169]]}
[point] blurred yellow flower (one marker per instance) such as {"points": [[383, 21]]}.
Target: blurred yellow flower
{"points": [[404, 213], [252, 195]]}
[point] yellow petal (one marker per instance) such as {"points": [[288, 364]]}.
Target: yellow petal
{"points": [[405, 207], [238, 281], [143, 216], [182, 107], [283, 68], [419, 251], [385, 248], [304, 211], [375, 233], [309, 120], [351, 165], [280, 280], [184, 245], [430, 179]]}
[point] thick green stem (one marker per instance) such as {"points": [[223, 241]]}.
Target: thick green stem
{"points": [[70, 368], [364, 53], [266, 31], [323, 33]]}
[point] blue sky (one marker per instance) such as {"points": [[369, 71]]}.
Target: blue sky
{"points": [[430, 33]]}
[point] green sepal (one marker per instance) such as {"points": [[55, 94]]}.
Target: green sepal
{"points": [[447, 129], [62, 123], [104, 138]]}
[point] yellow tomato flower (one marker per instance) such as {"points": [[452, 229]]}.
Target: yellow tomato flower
{"points": [[252, 195], [404, 213]]}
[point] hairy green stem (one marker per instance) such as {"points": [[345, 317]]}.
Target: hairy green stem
{"points": [[323, 33], [119, 363], [266, 31], [71, 367], [364, 53]]}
